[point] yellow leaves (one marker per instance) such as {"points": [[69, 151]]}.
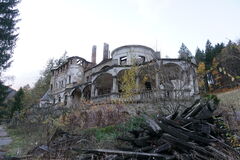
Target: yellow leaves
{"points": [[234, 141], [145, 79], [129, 81], [201, 83], [201, 71], [201, 68]]}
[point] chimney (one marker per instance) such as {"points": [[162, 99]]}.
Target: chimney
{"points": [[94, 53], [105, 51], [157, 54]]}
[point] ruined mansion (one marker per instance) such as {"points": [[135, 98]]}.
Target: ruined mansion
{"points": [[77, 80]]}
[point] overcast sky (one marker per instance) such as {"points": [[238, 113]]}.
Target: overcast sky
{"points": [[48, 28]]}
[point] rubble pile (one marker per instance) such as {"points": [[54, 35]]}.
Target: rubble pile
{"points": [[191, 135]]}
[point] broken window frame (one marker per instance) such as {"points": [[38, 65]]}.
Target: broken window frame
{"points": [[123, 60], [59, 99], [148, 86], [140, 59], [69, 79]]}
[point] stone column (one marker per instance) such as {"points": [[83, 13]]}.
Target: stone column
{"points": [[137, 82], [96, 92], [114, 85], [195, 83], [157, 81], [82, 96], [94, 53], [92, 90], [105, 51], [191, 84]]}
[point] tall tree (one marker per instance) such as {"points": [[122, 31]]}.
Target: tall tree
{"points": [[199, 56], [184, 52], [32, 95], [3, 93], [217, 49], [8, 35], [229, 58], [209, 54], [18, 101]]}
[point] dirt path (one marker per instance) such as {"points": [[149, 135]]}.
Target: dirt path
{"points": [[4, 140]]}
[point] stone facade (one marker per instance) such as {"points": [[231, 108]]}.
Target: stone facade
{"points": [[78, 80]]}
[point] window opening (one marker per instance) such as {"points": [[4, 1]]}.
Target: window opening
{"points": [[123, 60]]}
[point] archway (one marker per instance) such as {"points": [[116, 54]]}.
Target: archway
{"points": [[120, 79], [76, 96], [87, 92], [171, 76], [147, 77], [103, 84], [172, 71]]}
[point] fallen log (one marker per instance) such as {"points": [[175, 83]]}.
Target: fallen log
{"points": [[132, 154], [181, 143], [162, 148], [152, 124]]}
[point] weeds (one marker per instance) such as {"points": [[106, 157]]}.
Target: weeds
{"points": [[24, 139]]}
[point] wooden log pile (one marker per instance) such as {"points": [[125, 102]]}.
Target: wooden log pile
{"points": [[191, 135]]}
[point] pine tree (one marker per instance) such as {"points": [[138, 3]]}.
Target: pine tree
{"points": [[3, 105], [209, 54], [217, 49], [3, 94], [8, 35], [199, 56], [18, 101], [184, 52]]}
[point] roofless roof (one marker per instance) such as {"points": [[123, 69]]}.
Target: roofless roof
{"points": [[67, 60], [129, 46]]}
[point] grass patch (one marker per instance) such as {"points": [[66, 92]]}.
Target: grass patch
{"points": [[231, 98], [111, 132], [24, 139], [105, 137]]}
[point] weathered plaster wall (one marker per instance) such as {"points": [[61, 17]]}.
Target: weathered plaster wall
{"points": [[132, 52]]}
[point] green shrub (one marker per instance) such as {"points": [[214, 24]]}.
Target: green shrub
{"points": [[214, 98]]}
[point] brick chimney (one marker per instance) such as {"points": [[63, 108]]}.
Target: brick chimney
{"points": [[105, 51], [94, 53]]}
